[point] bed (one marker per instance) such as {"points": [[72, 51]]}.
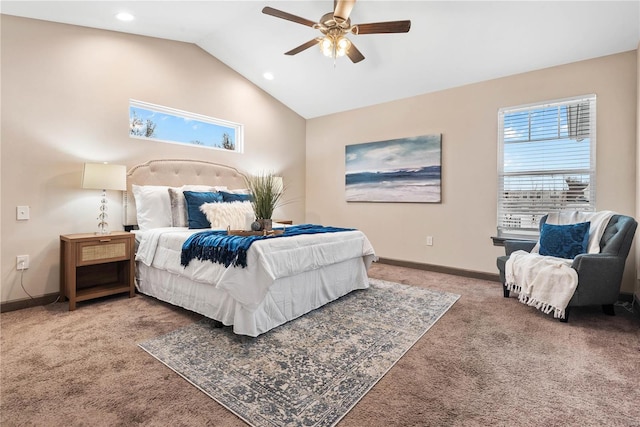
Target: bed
{"points": [[284, 277]]}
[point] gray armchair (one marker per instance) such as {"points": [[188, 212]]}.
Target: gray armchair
{"points": [[599, 275]]}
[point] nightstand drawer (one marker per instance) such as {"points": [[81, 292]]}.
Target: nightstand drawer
{"points": [[104, 250]]}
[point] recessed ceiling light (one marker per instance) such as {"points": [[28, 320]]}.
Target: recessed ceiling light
{"points": [[268, 76], [124, 16]]}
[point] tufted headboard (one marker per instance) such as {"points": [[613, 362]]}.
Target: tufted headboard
{"points": [[175, 173]]}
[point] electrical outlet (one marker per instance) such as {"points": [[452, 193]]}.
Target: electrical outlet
{"points": [[429, 240], [22, 262]]}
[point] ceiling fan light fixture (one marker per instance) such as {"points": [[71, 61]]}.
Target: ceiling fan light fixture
{"points": [[333, 46], [326, 46], [342, 46]]}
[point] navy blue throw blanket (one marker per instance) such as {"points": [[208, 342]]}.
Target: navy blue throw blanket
{"points": [[217, 246]]}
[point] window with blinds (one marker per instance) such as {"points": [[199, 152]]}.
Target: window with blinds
{"points": [[546, 162]]}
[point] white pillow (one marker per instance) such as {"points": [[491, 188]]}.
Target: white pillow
{"points": [[179, 217], [153, 209], [231, 214]]}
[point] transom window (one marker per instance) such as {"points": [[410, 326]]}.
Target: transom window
{"points": [[546, 162]]}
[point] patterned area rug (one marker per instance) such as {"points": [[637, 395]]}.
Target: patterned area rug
{"points": [[310, 371]]}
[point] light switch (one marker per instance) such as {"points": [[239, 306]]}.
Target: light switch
{"points": [[22, 213]]}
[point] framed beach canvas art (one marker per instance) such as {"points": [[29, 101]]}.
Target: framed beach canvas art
{"points": [[398, 170]]}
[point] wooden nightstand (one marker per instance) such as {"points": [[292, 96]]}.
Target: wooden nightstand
{"points": [[96, 265]]}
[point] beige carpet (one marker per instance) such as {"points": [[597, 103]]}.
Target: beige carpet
{"points": [[487, 361]]}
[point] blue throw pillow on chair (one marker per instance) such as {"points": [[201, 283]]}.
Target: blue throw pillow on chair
{"points": [[196, 217], [564, 241]]}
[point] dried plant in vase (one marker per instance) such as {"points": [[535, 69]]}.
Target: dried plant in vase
{"points": [[266, 190]]}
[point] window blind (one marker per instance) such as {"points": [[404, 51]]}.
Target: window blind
{"points": [[546, 162]]}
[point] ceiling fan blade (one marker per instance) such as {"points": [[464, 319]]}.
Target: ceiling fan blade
{"points": [[383, 27], [303, 46], [354, 54], [289, 17], [342, 9]]}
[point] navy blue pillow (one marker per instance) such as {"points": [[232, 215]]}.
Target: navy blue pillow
{"points": [[564, 241], [194, 200], [233, 197]]}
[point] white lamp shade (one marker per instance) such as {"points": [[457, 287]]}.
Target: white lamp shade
{"points": [[101, 176]]}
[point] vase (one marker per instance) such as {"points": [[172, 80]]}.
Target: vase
{"points": [[267, 223]]}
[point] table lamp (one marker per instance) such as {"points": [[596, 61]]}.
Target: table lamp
{"points": [[103, 176]]}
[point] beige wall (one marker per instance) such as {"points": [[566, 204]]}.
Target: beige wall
{"points": [[65, 95], [637, 289], [466, 117]]}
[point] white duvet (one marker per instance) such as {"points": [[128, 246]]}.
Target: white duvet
{"points": [[267, 260]]}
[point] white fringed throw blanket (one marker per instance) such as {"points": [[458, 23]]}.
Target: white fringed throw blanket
{"points": [[548, 283]]}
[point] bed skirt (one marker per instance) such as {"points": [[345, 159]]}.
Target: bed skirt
{"points": [[287, 298]]}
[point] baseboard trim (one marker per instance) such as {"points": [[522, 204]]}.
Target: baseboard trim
{"points": [[442, 269], [28, 302]]}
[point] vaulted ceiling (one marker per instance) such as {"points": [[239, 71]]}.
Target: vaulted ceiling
{"points": [[451, 43]]}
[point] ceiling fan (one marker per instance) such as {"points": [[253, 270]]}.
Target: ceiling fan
{"points": [[335, 26]]}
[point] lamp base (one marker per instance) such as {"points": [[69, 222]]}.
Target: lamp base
{"points": [[103, 225]]}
